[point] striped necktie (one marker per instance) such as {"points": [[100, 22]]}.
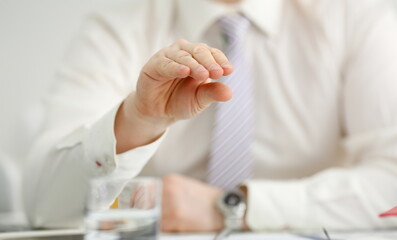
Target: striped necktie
{"points": [[230, 157]]}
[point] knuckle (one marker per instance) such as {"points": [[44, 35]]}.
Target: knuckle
{"points": [[219, 56], [174, 45], [216, 51], [166, 50], [182, 54], [156, 58], [200, 48], [165, 64], [181, 41], [203, 45]]}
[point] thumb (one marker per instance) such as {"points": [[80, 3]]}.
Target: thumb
{"points": [[213, 92]]}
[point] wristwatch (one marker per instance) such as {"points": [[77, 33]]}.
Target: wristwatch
{"points": [[232, 206]]}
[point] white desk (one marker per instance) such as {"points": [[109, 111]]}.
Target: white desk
{"points": [[370, 235], [208, 236]]}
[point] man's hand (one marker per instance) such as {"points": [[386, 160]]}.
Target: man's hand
{"points": [[189, 206], [174, 84]]}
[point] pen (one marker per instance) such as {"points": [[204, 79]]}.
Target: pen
{"points": [[326, 234], [315, 237]]}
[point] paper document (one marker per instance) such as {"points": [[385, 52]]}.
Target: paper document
{"points": [[366, 235], [234, 236], [362, 235]]}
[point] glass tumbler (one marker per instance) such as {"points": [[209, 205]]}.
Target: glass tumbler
{"points": [[123, 210]]}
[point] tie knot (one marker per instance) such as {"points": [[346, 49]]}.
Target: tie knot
{"points": [[234, 27]]}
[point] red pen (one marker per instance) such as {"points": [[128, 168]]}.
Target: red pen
{"points": [[391, 212]]}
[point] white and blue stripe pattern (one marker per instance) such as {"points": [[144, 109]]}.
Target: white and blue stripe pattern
{"points": [[230, 157]]}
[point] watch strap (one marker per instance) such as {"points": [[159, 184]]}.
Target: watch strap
{"points": [[233, 223]]}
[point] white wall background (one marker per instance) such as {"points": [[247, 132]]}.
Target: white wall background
{"points": [[33, 37]]}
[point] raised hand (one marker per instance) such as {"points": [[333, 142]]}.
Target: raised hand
{"points": [[174, 84]]}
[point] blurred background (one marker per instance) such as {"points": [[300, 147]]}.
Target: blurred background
{"points": [[34, 34]]}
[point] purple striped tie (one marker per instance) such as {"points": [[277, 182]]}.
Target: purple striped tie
{"points": [[230, 156]]}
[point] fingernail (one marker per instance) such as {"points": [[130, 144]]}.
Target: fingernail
{"points": [[214, 67], [227, 65], [201, 69], [183, 67]]}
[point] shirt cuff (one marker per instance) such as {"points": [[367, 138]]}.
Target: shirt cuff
{"points": [[270, 206], [100, 150]]}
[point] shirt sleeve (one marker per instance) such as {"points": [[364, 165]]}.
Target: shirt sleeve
{"points": [[77, 140], [352, 196]]}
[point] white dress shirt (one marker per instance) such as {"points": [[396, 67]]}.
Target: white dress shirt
{"points": [[325, 79]]}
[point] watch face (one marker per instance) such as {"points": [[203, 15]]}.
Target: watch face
{"points": [[232, 199]]}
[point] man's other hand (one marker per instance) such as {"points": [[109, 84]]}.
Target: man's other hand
{"points": [[189, 206]]}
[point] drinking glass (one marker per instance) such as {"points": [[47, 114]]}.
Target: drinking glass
{"points": [[123, 210]]}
